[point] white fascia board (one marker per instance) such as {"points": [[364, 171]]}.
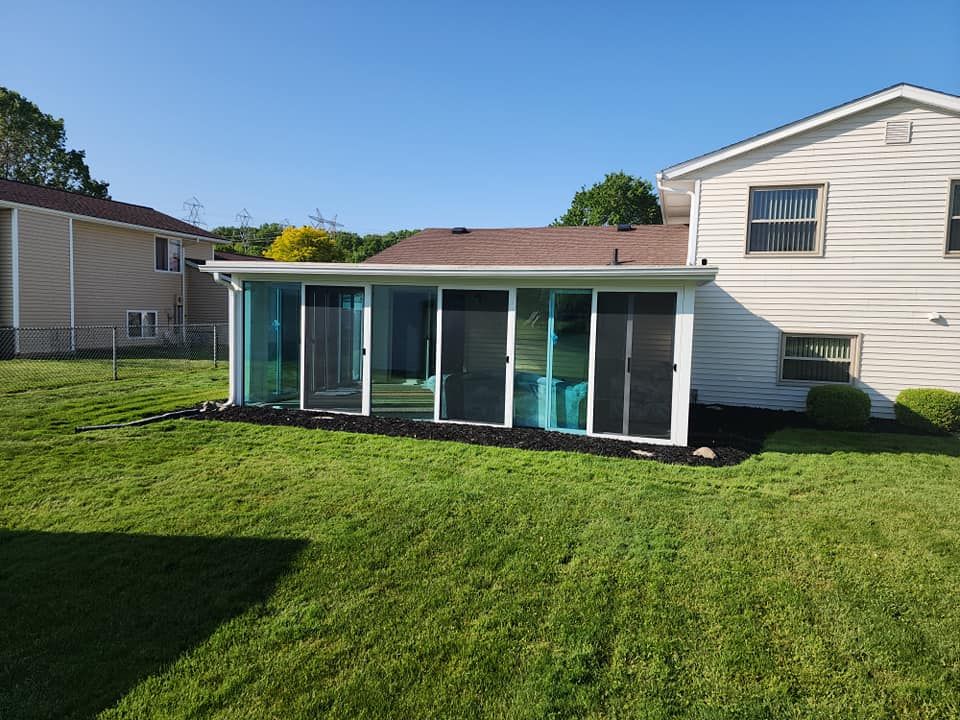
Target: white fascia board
{"points": [[943, 101], [114, 223], [355, 272]]}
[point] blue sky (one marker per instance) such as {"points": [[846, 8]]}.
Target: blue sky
{"points": [[421, 114]]}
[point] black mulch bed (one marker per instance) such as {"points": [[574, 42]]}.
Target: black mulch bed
{"points": [[524, 438]]}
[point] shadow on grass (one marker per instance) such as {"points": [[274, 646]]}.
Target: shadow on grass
{"points": [[85, 617], [809, 441]]}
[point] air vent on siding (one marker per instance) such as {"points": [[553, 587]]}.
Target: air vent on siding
{"points": [[898, 132]]}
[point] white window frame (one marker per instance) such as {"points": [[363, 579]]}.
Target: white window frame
{"points": [[821, 188], [168, 240], [142, 314], [951, 184], [854, 359]]}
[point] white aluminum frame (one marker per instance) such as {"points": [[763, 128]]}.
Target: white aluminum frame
{"points": [[508, 354], [365, 354]]}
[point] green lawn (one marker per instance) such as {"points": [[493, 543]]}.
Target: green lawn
{"points": [[204, 570]]}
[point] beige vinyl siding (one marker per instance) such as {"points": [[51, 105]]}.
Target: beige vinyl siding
{"points": [[44, 242], [6, 269], [883, 269], [206, 300], [115, 272]]}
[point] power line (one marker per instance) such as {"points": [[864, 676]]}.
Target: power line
{"points": [[194, 210]]}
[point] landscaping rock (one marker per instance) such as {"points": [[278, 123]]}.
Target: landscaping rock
{"points": [[705, 452], [642, 453]]}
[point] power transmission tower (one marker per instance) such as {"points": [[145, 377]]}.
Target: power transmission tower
{"points": [[194, 210], [243, 220], [322, 223]]}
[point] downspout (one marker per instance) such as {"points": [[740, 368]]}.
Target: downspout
{"points": [[15, 270], [694, 218]]}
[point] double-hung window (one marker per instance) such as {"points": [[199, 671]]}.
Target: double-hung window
{"points": [[785, 220], [953, 220], [818, 358], [167, 254], [141, 323]]}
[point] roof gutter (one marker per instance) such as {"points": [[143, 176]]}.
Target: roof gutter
{"points": [[225, 280]]}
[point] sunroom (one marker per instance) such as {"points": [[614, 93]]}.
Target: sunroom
{"points": [[601, 350]]}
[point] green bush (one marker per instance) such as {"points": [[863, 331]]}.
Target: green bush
{"points": [[928, 409], [838, 407]]}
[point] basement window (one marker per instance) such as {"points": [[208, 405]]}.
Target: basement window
{"points": [[141, 323], [167, 254], [818, 358]]}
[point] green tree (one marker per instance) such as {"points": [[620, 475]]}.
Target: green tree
{"points": [[33, 149], [304, 244], [252, 240], [357, 248], [618, 198]]}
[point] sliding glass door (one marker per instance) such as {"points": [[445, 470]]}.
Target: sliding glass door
{"points": [[552, 355], [633, 379], [271, 343], [403, 351], [473, 355], [333, 356]]}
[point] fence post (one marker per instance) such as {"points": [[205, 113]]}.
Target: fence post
{"points": [[214, 345], [114, 348]]}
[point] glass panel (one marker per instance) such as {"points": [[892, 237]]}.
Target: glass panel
{"points": [[404, 351], [783, 220], [150, 324], [160, 247], [473, 355], [133, 325], [955, 201], [271, 343], [783, 236], [954, 234], [816, 358], [816, 370], [633, 392], [334, 348], [552, 351]]}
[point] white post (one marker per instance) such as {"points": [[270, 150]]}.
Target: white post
{"points": [[511, 343], [303, 346], [592, 360], [235, 310], [438, 377], [683, 357], [367, 359]]}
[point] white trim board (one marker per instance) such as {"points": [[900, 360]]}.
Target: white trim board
{"points": [[933, 98]]}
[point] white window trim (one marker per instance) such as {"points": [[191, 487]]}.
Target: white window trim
{"points": [[169, 240], [142, 313], [951, 182], [821, 187], [856, 342]]}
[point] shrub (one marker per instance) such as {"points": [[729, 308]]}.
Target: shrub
{"points": [[929, 410], [838, 407]]}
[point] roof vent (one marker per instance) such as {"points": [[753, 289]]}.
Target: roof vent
{"points": [[459, 231], [615, 260], [898, 132], [624, 227]]}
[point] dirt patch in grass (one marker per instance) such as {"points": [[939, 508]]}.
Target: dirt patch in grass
{"points": [[523, 438]]}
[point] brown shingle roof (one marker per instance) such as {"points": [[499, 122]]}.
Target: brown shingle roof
{"points": [[77, 204], [570, 246]]}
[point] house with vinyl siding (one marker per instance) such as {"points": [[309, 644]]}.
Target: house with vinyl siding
{"points": [[836, 240], [69, 260], [825, 251]]}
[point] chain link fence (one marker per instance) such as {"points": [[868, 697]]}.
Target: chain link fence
{"points": [[51, 357]]}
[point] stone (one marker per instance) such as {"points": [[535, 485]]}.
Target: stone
{"points": [[705, 452], [642, 453]]}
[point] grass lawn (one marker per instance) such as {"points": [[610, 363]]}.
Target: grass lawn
{"points": [[219, 570]]}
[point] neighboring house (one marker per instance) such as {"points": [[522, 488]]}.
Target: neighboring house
{"points": [[71, 260], [208, 300], [837, 243], [824, 251]]}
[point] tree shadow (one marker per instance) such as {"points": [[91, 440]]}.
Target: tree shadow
{"points": [[85, 617]]}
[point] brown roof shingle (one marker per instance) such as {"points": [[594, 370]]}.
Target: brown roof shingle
{"points": [[77, 204], [569, 246]]}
